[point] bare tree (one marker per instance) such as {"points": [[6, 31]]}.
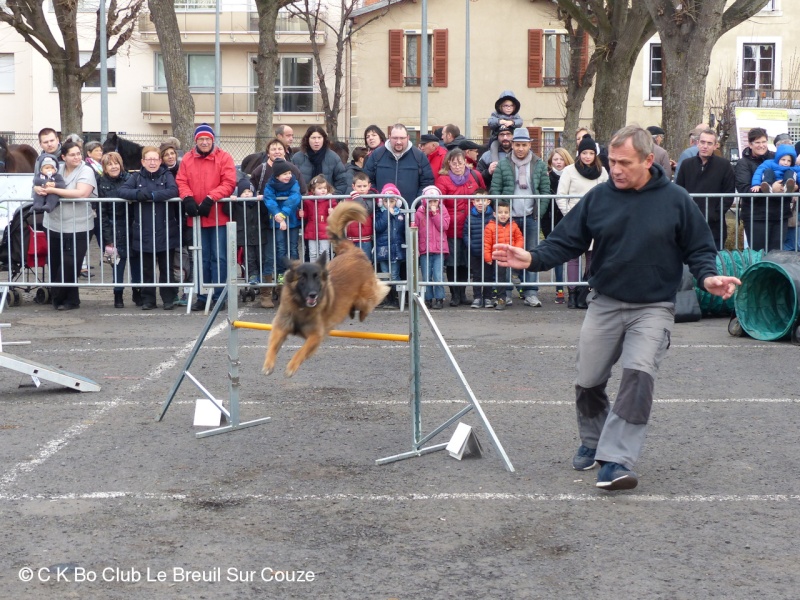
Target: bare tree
{"points": [[689, 30], [619, 29], [69, 75], [581, 77], [267, 65], [338, 23], [181, 102]]}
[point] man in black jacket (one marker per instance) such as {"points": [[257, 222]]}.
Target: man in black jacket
{"points": [[764, 216], [707, 173], [643, 227]]}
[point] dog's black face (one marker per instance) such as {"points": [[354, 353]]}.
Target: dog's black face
{"points": [[308, 281]]}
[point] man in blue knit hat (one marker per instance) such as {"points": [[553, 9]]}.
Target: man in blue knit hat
{"points": [[207, 175]]}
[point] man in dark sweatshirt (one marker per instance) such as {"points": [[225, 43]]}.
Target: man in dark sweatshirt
{"points": [[644, 228]]}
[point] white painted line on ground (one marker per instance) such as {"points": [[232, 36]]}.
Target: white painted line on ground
{"points": [[340, 403], [53, 446], [403, 498], [368, 346]]}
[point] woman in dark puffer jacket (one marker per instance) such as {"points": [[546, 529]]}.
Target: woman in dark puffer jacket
{"points": [[113, 218], [155, 224]]}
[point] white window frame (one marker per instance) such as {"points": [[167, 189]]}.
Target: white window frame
{"points": [[772, 9], [312, 89], [8, 72], [111, 63], [740, 44], [192, 88], [646, 52]]}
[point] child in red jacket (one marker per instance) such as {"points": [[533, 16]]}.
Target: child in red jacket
{"points": [[315, 214], [501, 230]]}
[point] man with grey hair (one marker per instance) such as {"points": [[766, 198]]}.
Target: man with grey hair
{"points": [[643, 228]]}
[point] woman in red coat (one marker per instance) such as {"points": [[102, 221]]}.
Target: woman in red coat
{"points": [[456, 179]]}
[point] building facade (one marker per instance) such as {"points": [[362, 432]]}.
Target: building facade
{"points": [[514, 44]]}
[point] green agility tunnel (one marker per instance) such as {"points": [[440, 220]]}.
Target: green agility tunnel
{"points": [[729, 262], [767, 301]]}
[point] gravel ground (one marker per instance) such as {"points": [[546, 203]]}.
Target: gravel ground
{"points": [[92, 486]]}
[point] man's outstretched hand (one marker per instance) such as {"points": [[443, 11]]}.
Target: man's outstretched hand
{"points": [[511, 256], [721, 286]]}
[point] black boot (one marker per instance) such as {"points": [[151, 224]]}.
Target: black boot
{"points": [[137, 296], [572, 301], [118, 303], [580, 299], [455, 296]]}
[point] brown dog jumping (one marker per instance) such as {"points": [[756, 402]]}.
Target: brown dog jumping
{"points": [[318, 296]]}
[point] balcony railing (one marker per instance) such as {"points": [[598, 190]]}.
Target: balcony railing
{"points": [[235, 99], [764, 96], [203, 21]]}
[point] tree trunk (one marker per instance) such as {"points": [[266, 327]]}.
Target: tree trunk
{"points": [[578, 84], [683, 101], [688, 34], [70, 103], [619, 28], [267, 66], [611, 90], [181, 103]]}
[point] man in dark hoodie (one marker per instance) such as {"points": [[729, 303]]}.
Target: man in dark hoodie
{"points": [[644, 227]]}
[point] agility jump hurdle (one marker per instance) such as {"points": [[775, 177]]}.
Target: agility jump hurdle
{"points": [[416, 307]]}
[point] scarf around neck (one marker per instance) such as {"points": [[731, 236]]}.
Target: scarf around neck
{"points": [[459, 179], [588, 172], [523, 169], [316, 159]]}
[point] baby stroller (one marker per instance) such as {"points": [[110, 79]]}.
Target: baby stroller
{"points": [[23, 254]]}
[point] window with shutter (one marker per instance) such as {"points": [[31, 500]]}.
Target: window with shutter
{"points": [[535, 51], [440, 57], [584, 53], [396, 41], [536, 139]]}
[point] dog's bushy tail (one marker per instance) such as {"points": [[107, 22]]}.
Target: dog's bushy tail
{"points": [[342, 215]]}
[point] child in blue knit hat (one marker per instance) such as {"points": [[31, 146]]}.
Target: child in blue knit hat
{"points": [[782, 168]]}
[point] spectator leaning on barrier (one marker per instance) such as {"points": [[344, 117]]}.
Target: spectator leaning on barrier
{"points": [[576, 180], [523, 173], [763, 215], [708, 173], [68, 225], [206, 176], [316, 158], [457, 179], [400, 163], [155, 225], [644, 227], [115, 225]]}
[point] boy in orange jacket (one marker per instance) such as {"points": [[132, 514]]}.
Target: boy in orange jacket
{"points": [[501, 230]]}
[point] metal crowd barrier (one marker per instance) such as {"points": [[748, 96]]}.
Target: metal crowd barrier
{"points": [[760, 221]]}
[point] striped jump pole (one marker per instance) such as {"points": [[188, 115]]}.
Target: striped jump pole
{"points": [[361, 335]]}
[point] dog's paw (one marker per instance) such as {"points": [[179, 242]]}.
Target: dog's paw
{"points": [[267, 370], [290, 371]]}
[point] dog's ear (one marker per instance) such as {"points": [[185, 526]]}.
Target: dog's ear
{"points": [[289, 263], [322, 260]]}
